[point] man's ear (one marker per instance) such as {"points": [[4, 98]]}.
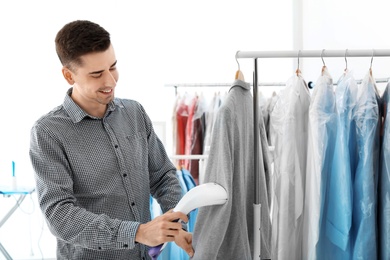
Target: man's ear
{"points": [[68, 75]]}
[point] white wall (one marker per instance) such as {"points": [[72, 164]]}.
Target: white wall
{"points": [[344, 25], [156, 43]]}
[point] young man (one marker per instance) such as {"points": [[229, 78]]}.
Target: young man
{"points": [[97, 160]]}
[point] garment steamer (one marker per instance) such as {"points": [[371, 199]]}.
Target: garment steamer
{"points": [[206, 194]]}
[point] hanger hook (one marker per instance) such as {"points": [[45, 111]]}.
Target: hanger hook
{"points": [[372, 57], [346, 62], [299, 53], [237, 60], [322, 56], [298, 71]]}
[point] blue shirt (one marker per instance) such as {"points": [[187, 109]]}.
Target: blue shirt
{"points": [[171, 250], [384, 184], [339, 211], [366, 117]]}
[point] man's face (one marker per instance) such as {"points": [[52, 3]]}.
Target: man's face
{"points": [[94, 82]]}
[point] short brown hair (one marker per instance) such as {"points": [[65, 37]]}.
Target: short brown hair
{"points": [[78, 38]]}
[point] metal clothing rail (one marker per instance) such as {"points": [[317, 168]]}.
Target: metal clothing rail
{"points": [[314, 53], [286, 54], [191, 85], [222, 84]]}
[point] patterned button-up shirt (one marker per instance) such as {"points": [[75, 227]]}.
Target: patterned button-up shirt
{"points": [[94, 177]]}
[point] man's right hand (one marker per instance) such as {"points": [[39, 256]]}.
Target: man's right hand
{"points": [[161, 229]]}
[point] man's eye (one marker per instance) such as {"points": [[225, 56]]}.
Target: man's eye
{"points": [[96, 76]]}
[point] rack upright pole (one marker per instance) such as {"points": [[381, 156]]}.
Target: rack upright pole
{"points": [[256, 205]]}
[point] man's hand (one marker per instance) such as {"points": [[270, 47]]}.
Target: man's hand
{"points": [[184, 240], [161, 229]]}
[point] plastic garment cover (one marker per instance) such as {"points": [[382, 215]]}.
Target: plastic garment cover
{"points": [[290, 119], [340, 195], [384, 183], [322, 133], [269, 124], [366, 117]]}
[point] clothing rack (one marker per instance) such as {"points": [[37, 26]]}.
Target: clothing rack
{"points": [[255, 55], [191, 85], [311, 84]]}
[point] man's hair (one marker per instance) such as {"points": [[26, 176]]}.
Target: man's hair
{"points": [[78, 38]]}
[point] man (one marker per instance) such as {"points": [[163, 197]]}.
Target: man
{"points": [[97, 159]]}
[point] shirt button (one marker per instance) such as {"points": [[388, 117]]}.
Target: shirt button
{"points": [[125, 175], [125, 245], [100, 248], [116, 146], [132, 204]]}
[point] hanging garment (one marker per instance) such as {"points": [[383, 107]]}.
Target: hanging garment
{"points": [[384, 183], [182, 118], [197, 133], [174, 125], [322, 134], [268, 123], [187, 183], [171, 250], [226, 231], [189, 130], [210, 116], [291, 116], [339, 193], [367, 119]]}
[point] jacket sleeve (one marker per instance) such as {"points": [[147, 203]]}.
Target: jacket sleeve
{"points": [[213, 221]]}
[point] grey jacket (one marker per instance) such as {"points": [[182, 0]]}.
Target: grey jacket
{"points": [[226, 231]]}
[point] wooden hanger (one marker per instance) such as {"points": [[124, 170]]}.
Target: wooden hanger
{"points": [[239, 74]]}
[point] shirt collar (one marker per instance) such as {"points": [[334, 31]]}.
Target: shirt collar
{"points": [[240, 83], [76, 113]]}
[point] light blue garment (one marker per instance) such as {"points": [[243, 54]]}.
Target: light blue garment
{"points": [[340, 195], [189, 183], [366, 116], [171, 250], [384, 183]]}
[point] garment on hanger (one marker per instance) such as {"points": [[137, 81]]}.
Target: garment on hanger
{"points": [[181, 125], [337, 210], [210, 116], [174, 121], [384, 182], [189, 131], [226, 231], [197, 135], [321, 142], [290, 117], [268, 123], [340, 195], [171, 250], [367, 119]]}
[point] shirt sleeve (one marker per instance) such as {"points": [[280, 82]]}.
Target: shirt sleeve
{"points": [[164, 184]]}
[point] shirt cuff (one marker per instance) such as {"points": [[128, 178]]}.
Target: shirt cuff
{"points": [[126, 233]]}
